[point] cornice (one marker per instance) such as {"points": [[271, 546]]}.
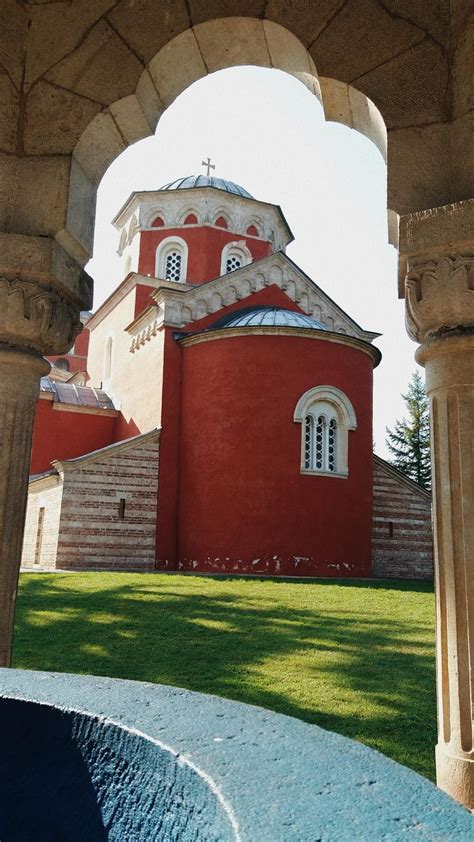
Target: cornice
{"points": [[263, 330]]}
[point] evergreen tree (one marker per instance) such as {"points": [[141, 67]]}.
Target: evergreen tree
{"points": [[409, 443]]}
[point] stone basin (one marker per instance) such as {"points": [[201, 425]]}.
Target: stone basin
{"points": [[86, 758]]}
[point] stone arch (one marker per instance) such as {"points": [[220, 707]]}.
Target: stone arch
{"points": [[191, 55]]}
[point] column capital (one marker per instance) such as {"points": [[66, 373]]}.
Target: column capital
{"points": [[35, 317], [436, 268], [42, 291]]}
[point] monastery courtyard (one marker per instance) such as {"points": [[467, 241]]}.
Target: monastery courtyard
{"points": [[353, 656]]}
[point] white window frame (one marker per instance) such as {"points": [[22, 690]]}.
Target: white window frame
{"points": [[164, 248], [331, 403], [238, 249]]}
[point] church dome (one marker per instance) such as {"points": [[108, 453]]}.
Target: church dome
{"points": [[207, 181], [267, 317]]}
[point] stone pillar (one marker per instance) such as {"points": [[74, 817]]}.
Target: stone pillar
{"points": [[437, 262], [41, 294]]}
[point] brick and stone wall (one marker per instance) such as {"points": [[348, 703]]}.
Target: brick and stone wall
{"points": [[40, 541], [108, 513], [402, 544]]}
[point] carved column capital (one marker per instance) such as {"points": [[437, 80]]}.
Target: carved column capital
{"points": [[439, 295], [436, 271], [36, 317]]}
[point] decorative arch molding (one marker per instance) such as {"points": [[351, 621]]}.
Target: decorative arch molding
{"points": [[150, 214], [254, 222], [172, 259], [183, 215], [218, 213], [327, 414], [236, 252]]}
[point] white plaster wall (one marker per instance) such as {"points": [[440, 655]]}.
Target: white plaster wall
{"points": [[135, 381]]}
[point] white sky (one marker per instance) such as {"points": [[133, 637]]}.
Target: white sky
{"points": [[266, 131]]}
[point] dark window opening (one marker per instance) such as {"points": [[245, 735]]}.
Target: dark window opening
{"points": [[121, 512], [390, 528]]}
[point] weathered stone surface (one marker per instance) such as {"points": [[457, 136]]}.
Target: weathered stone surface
{"points": [[130, 119], [146, 26], [412, 88], [8, 114], [305, 20], [80, 214], [57, 29], [232, 41], [242, 773], [463, 72], [55, 119], [419, 168], [38, 205], [438, 229], [462, 151], [13, 31], [432, 17], [8, 179], [177, 66], [203, 10], [149, 99], [42, 259], [100, 144], [102, 68], [361, 37], [344, 104], [286, 51]]}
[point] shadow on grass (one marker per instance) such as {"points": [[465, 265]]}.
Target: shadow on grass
{"points": [[366, 675]]}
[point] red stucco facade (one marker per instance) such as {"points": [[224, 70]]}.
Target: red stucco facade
{"points": [[205, 245], [243, 503]]}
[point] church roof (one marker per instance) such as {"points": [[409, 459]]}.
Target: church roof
{"points": [[266, 317], [191, 181], [78, 395]]}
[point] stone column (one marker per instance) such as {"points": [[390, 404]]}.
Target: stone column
{"points": [[437, 261], [40, 301]]}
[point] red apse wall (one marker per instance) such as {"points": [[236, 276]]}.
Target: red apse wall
{"points": [[244, 506], [205, 246]]}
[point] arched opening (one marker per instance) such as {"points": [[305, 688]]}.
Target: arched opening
{"points": [[108, 358]]}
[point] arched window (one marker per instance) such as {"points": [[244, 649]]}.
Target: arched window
{"points": [[62, 363], [234, 256], [252, 230], [158, 222], [191, 219], [326, 415], [109, 346], [221, 222], [171, 259]]}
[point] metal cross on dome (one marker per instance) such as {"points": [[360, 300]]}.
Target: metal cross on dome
{"points": [[208, 165]]}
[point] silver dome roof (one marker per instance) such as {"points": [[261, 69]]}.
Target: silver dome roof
{"points": [[207, 181], [267, 317]]}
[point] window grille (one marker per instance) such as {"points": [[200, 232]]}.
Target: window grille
{"points": [[332, 440], [308, 441], [232, 263], [320, 442], [173, 266]]}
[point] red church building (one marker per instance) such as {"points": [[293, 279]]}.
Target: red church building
{"points": [[215, 413]]}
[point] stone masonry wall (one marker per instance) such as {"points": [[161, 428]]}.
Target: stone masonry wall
{"points": [[402, 537], [94, 533], [40, 549]]}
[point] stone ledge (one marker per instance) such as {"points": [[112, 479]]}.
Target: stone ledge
{"points": [[255, 774]]}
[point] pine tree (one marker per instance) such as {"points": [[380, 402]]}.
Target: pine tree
{"points": [[409, 443]]}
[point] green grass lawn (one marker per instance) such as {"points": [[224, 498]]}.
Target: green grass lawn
{"points": [[353, 657]]}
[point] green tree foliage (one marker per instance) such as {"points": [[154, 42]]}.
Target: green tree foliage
{"points": [[409, 442]]}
